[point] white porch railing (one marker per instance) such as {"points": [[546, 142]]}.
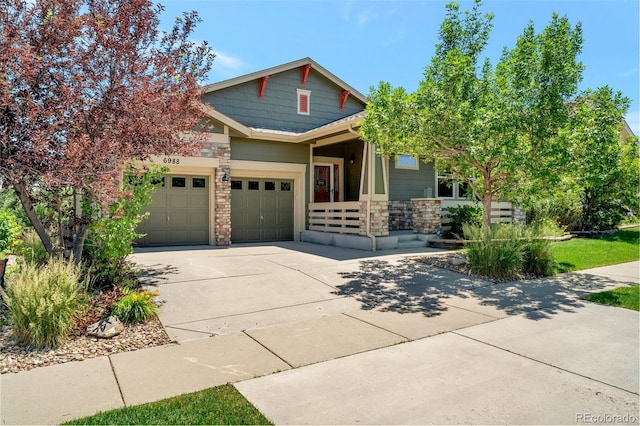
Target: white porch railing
{"points": [[343, 218], [500, 211]]}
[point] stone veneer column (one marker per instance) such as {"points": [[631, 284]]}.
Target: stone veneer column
{"points": [[427, 215], [379, 217], [222, 220]]}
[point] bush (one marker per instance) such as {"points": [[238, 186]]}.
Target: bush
{"points": [[495, 252], [110, 238], [135, 307], [42, 301], [508, 251], [10, 230], [460, 215]]}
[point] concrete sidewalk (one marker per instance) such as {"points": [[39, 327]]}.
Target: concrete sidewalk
{"points": [[320, 329]]}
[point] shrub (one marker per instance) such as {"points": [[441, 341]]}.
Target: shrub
{"points": [[110, 238], [135, 307], [495, 252], [10, 230], [460, 215], [42, 300], [508, 251]]}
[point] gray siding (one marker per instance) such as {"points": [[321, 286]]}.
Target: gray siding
{"points": [[279, 152], [406, 184], [278, 109]]}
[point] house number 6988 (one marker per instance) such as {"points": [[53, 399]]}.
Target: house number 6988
{"points": [[168, 160]]}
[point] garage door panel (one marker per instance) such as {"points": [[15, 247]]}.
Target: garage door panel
{"points": [[199, 220], [199, 201], [264, 213], [177, 201]]}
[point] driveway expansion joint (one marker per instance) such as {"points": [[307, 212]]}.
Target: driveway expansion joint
{"points": [[115, 376]]}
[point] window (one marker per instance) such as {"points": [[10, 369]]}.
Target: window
{"points": [[285, 186], [406, 161], [199, 183], [254, 185], [304, 99], [448, 187], [269, 186], [236, 184], [178, 182]]}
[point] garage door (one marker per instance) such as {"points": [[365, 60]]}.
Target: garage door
{"points": [[261, 210], [179, 214]]}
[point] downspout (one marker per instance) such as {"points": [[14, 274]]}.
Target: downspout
{"points": [[368, 228]]}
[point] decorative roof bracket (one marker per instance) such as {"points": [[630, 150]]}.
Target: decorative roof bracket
{"points": [[344, 95], [262, 82], [305, 73]]}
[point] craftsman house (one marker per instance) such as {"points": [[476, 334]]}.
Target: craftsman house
{"points": [[285, 162]]}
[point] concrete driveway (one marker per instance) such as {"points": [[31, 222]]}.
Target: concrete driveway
{"points": [[472, 351], [321, 335]]}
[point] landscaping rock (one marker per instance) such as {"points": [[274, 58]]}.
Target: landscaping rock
{"points": [[457, 261], [106, 328]]}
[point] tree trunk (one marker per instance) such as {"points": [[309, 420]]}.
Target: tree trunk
{"points": [[25, 199], [487, 197]]}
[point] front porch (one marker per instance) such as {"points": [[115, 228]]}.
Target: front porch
{"points": [[359, 199]]}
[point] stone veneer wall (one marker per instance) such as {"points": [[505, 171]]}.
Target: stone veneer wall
{"points": [[400, 215], [427, 215], [519, 215], [379, 217], [222, 220]]}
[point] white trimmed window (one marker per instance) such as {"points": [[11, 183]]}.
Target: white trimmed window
{"points": [[406, 161], [304, 100], [448, 187]]}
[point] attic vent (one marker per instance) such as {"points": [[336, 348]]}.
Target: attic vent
{"points": [[304, 97]]}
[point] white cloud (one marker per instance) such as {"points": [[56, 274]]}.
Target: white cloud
{"points": [[226, 66], [365, 16], [631, 72]]}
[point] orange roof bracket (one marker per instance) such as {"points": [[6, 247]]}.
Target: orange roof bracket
{"points": [[344, 95], [304, 74], [262, 85]]}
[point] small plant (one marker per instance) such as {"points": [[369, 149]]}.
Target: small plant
{"points": [[509, 251], [495, 252], [32, 249], [42, 301], [458, 216], [135, 307], [10, 230]]}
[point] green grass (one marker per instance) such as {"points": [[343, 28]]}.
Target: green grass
{"points": [[585, 253], [624, 297], [222, 405]]}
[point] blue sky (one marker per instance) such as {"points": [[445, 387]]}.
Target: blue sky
{"points": [[364, 42]]}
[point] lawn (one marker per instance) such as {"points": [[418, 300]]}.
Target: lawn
{"points": [[585, 253], [624, 297], [222, 405]]}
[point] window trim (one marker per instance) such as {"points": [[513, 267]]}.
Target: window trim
{"points": [[415, 166], [300, 93]]}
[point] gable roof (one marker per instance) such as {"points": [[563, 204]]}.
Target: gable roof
{"points": [[282, 68]]}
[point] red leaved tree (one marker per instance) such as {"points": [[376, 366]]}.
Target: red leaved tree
{"points": [[85, 87]]}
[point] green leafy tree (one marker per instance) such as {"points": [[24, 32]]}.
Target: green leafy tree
{"points": [[604, 163], [493, 127]]}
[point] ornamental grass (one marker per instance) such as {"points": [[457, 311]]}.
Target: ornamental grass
{"points": [[42, 301]]}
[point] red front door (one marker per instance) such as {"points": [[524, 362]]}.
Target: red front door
{"points": [[326, 183], [322, 184]]}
